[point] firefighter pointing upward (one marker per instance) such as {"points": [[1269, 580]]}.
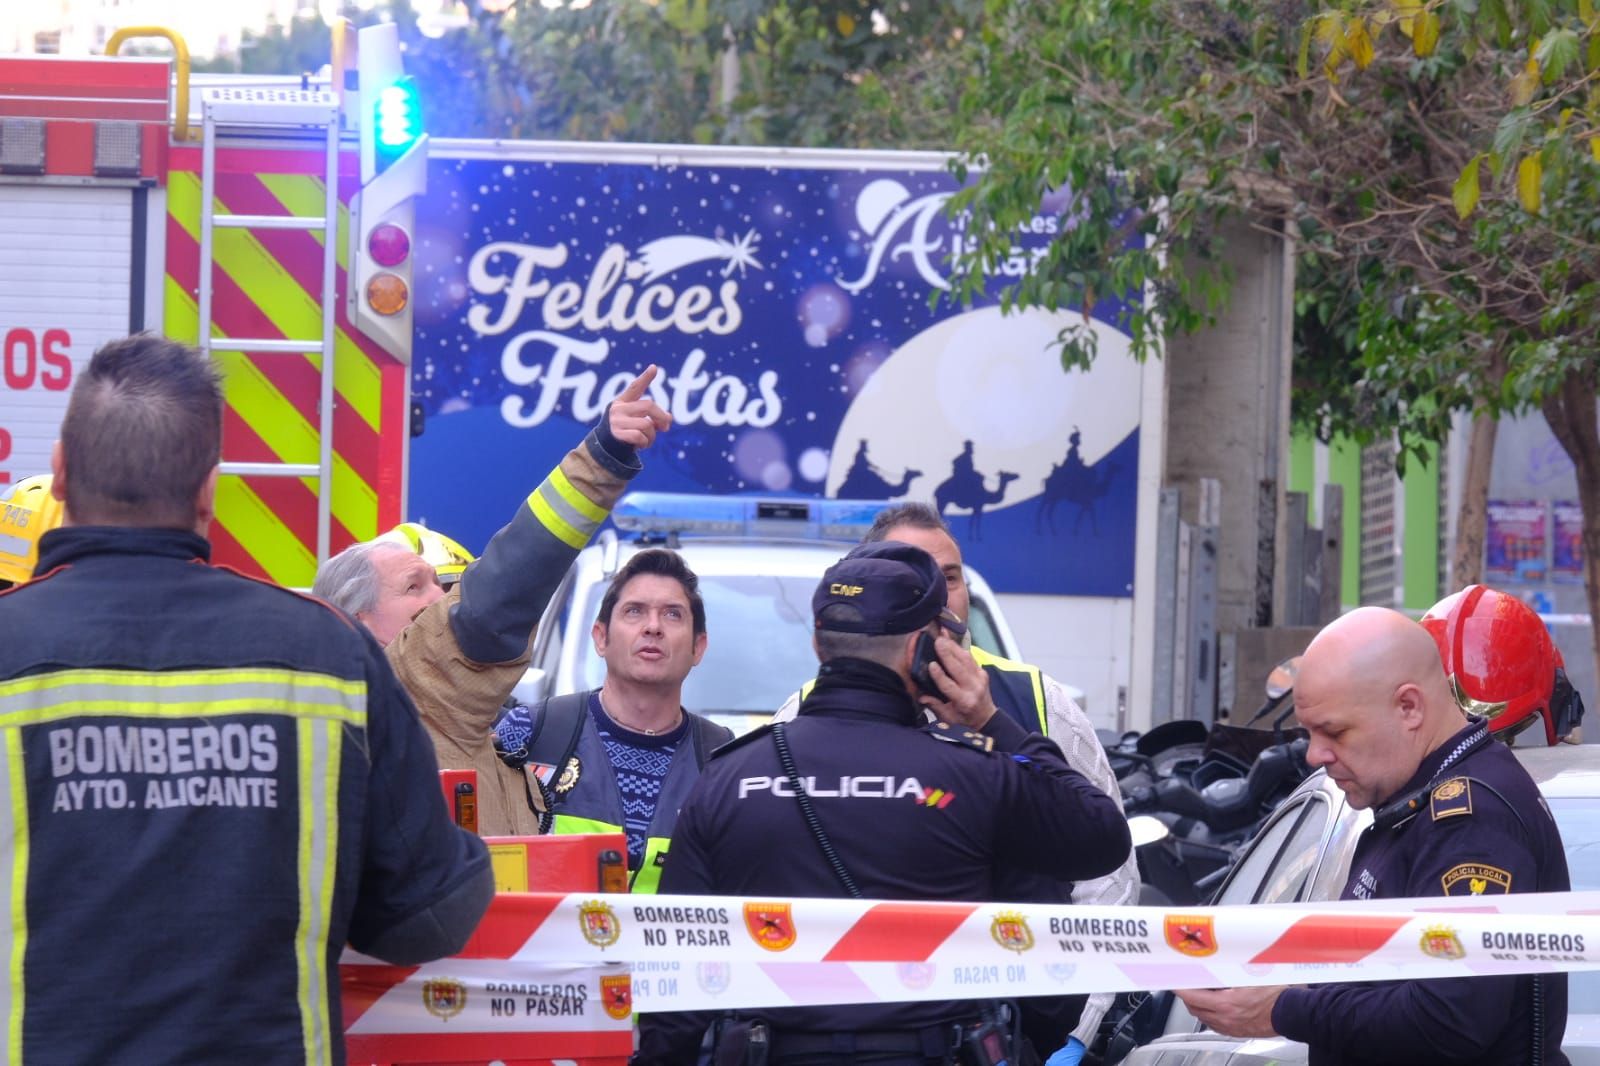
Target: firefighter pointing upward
{"points": [[459, 654], [219, 782]]}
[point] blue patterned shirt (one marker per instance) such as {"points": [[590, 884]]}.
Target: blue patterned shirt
{"points": [[640, 763]]}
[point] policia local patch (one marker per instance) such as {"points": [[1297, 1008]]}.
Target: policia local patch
{"points": [[1475, 879]]}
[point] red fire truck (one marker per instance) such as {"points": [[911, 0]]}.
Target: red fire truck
{"points": [[269, 223]]}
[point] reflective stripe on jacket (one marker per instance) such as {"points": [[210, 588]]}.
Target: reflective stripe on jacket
{"points": [[212, 785]]}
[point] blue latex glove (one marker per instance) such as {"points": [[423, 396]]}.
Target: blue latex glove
{"points": [[1070, 1055]]}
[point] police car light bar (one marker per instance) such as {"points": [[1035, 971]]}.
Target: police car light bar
{"points": [[645, 513]]}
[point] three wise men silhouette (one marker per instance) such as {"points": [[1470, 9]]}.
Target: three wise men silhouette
{"points": [[1071, 481]]}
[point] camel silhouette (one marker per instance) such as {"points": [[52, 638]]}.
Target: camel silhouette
{"points": [[956, 491], [865, 483], [1076, 484]]}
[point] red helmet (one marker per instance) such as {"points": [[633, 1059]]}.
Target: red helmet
{"points": [[1501, 662]]}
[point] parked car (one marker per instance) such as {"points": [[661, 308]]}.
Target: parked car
{"points": [[1303, 854], [758, 561]]}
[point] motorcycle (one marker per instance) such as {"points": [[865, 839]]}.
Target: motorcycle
{"points": [[1208, 789]]}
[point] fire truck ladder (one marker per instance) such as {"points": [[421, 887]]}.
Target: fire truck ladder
{"points": [[235, 112]]}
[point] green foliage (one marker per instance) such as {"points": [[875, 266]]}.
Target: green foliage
{"points": [[1427, 282]]}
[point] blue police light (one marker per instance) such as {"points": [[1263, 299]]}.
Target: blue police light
{"points": [[398, 115], [645, 513]]}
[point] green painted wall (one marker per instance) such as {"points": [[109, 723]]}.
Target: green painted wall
{"points": [[1419, 550]]}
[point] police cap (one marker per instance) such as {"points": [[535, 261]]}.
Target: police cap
{"points": [[894, 588]]}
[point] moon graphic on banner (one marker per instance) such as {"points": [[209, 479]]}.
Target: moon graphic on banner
{"points": [[996, 380]]}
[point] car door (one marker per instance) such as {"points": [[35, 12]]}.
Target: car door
{"points": [[1278, 866]]}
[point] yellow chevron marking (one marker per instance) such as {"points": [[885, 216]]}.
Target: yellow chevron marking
{"points": [[270, 542], [354, 374], [295, 312], [277, 422]]}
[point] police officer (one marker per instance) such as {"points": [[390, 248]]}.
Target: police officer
{"points": [[978, 679], [213, 783], [1454, 814], [861, 750]]}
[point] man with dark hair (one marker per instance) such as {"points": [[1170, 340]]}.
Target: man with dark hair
{"points": [[213, 776], [976, 681], [460, 652], [629, 751], [743, 832]]}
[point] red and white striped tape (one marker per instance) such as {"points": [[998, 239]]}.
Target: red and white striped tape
{"points": [[722, 953]]}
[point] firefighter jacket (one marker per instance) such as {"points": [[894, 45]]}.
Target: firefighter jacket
{"points": [[1470, 822], [913, 813], [213, 784], [462, 656]]}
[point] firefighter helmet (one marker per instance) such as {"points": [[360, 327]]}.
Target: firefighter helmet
{"points": [[27, 512], [1501, 662], [447, 557]]}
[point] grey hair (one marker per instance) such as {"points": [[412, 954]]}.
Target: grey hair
{"points": [[349, 581], [914, 514], [885, 650]]}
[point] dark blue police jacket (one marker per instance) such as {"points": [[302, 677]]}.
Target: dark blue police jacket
{"points": [[914, 813], [212, 785], [1476, 827]]}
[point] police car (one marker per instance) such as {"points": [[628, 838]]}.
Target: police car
{"points": [[1303, 853], [758, 561]]}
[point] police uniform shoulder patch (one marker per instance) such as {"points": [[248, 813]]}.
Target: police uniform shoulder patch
{"points": [[967, 738], [738, 742], [1475, 879], [1451, 798]]}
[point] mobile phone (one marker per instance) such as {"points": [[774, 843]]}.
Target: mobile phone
{"points": [[924, 655]]}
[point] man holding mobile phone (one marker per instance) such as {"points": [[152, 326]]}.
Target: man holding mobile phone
{"points": [[967, 679], [909, 810]]}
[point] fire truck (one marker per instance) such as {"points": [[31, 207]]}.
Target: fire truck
{"points": [[270, 224]]}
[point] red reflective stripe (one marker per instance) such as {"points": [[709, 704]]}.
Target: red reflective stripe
{"points": [[511, 919], [362, 986], [1332, 938], [288, 498], [229, 554], [898, 932]]}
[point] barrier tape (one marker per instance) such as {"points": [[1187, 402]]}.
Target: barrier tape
{"points": [[563, 961]]}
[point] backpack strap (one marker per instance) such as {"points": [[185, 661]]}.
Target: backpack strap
{"points": [[557, 726], [708, 737]]}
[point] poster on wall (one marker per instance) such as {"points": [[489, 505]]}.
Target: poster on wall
{"points": [[1516, 541], [789, 309], [1566, 542]]}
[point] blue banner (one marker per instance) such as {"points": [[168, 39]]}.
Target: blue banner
{"points": [[789, 310]]}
